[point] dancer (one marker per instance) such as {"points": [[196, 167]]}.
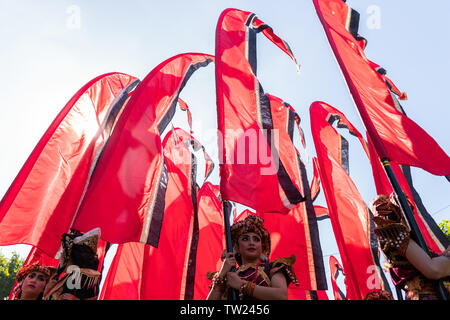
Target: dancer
{"points": [[32, 280], [411, 268], [255, 278], [79, 263]]}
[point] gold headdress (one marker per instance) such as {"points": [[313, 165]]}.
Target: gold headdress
{"points": [[251, 224], [35, 267], [75, 237], [89, 239], [391, 228], [379, 295]]}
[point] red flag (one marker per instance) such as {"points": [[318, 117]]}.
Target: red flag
{"points": [[250, 171], [394, 135], [41, 202], [211, 241], [169, 268], [124, 195], [348, 213], [336, 271]]}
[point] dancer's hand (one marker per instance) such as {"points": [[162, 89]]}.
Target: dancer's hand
{"points": [[228, 263], [233, 280]]}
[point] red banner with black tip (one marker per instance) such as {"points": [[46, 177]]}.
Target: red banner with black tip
{"points": [[394, 135], [249, 168]]}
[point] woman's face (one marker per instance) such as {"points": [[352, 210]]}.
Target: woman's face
{"points": [[250, 246], [34, 283]]}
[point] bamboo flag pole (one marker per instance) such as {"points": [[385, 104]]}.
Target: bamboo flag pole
{"points": [[409, 215], [226, 218]]}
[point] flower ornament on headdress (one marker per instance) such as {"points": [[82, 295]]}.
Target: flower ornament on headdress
{"points": [[251, 224]]}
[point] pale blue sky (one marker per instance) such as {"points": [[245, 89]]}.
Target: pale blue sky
{"points": [[49, 49]]}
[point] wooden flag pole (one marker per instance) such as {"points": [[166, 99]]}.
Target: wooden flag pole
{"points": [[409, 215], [226, 218]]}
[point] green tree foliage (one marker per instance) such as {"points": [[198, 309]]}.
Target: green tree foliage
{"points": [[445, 227], [8, 270]]}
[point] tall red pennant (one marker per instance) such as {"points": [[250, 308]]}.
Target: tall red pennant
{"points": [[348, 213], [211, 241], [41, 202], [250, 171], [123, 198], [169, 268], [394, 135]]}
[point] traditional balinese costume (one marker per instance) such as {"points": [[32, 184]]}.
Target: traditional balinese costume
{"points": [[79, 282], [251, 274], [393, 236]]}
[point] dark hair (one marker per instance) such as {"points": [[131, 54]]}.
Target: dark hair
{"points": [[83, 257]]}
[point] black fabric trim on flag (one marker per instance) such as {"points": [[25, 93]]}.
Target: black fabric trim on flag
{"points": [[158, 210], [292, 193], [250, 18], [291, 122], [108, 125], [117, 105], [325, 216], [313, 295], [262, 27], [336, 275], [192, 262], [171, 112], [252, 50], [344, 156], [423, 211], [319, 267], [354, 23], [354, 27]]}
